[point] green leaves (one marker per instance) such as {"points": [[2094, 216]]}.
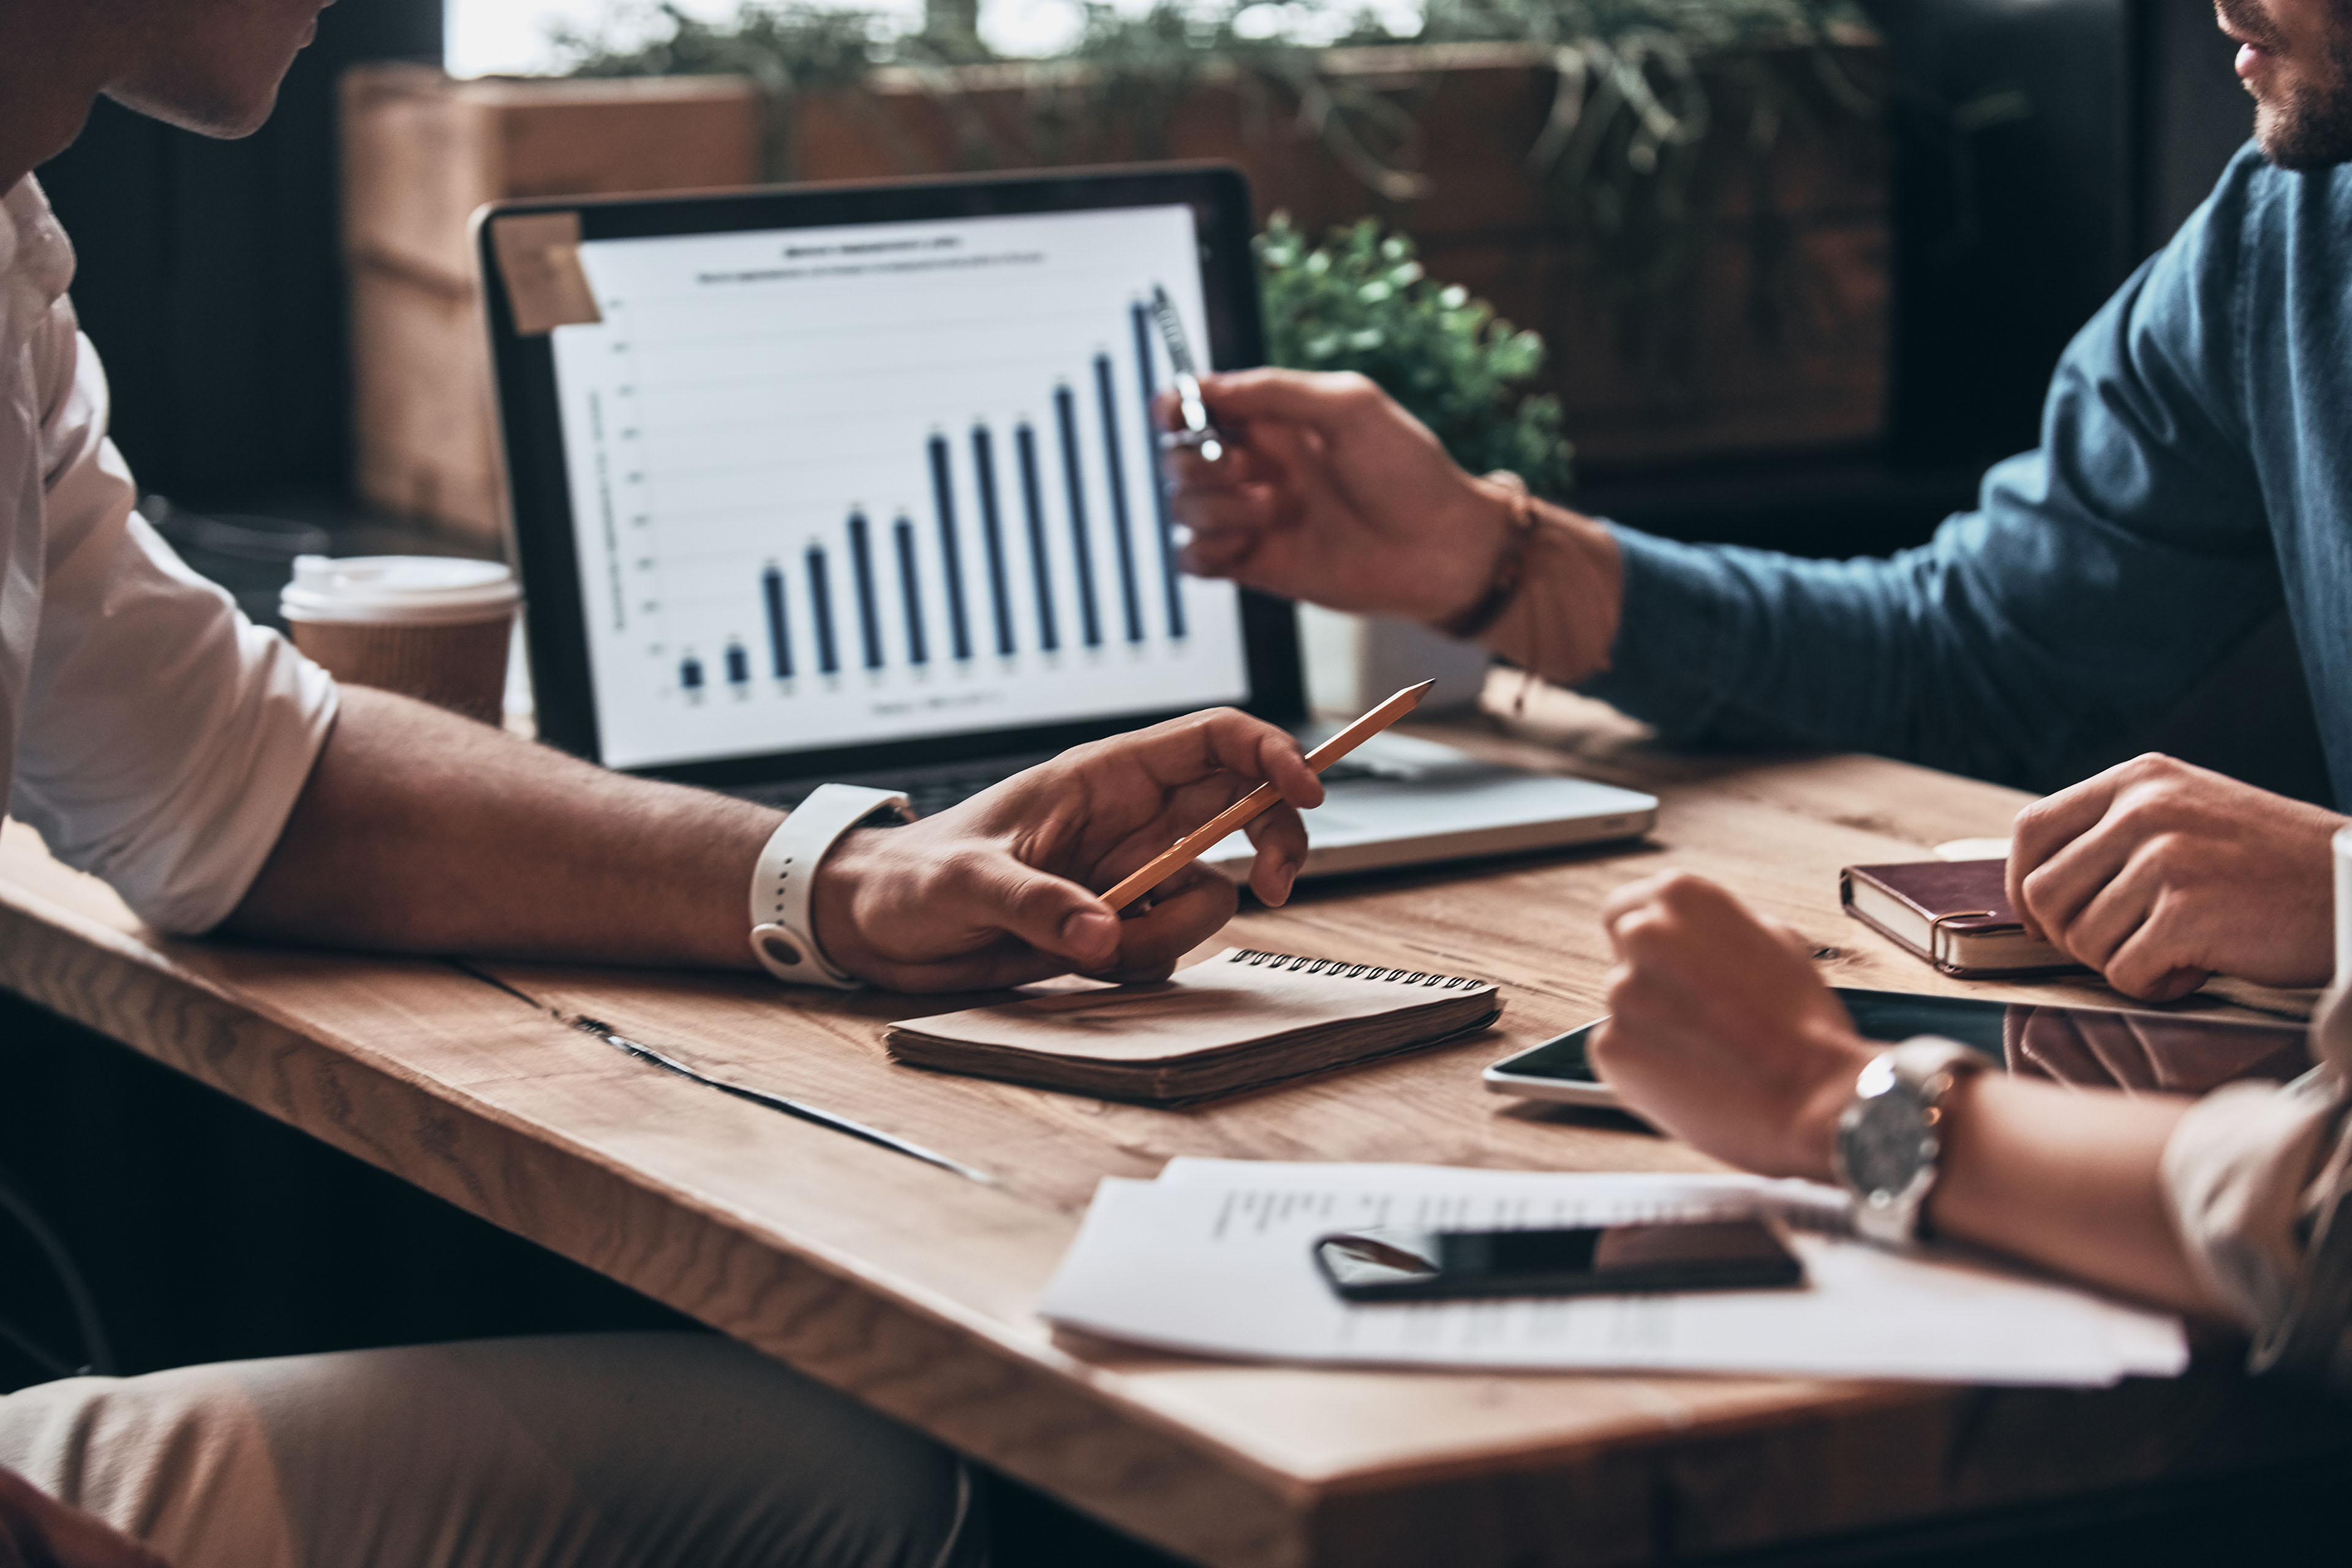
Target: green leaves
{"points": [[1362, 301], [1654, 105]]}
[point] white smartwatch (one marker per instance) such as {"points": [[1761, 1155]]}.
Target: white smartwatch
{"points": [[784, 928], [1890, 1137]]}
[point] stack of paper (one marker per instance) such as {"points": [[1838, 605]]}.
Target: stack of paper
{"points": [[1213, 1259]]}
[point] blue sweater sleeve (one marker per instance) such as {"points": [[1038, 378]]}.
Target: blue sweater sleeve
{"points": [[2098, 578]]}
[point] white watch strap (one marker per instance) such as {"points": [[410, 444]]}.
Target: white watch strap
{"points": [[783, 932]]}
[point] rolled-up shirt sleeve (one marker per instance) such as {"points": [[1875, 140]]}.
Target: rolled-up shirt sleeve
{"points": [[2256, 1175], [2098, 578], [165, 737]]}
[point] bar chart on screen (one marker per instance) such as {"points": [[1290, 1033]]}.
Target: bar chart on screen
{"points": [[875, 482]]}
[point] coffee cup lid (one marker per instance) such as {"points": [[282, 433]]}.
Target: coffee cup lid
{"points": [[404, 590]]}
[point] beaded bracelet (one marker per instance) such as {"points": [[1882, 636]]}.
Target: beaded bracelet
{"points": [[1510, 566]]}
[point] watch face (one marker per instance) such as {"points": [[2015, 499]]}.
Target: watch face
{"points": [[1885, 1143]]}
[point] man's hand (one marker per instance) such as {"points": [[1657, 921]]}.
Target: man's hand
{"points": [[39, 1531], [2159, 874], [1330, 492], [1000, 890], [1720, 1031]]}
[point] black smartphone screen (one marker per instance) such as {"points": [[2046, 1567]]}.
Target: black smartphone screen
{"points": [[1404, 1265]]}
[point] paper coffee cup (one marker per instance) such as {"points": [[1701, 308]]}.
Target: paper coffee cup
{"points": [[429, 626]]}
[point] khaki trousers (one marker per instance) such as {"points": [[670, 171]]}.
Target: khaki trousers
{"points": [[594, 1451]]}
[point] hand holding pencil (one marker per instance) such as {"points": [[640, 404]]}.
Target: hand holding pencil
{"points": [[1000, 889], [996, 891], [1251, 807]]}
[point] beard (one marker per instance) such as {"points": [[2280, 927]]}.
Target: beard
{"points": [[2310, 128], [2307, 124]]}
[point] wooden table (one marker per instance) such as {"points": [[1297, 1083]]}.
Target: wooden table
{"points": [[913, 1289]]}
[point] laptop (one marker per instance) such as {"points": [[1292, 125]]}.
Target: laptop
{"points": [[858, 483]]}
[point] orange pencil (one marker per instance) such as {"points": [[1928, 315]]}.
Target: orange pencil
{"points": [[1210, 834]]}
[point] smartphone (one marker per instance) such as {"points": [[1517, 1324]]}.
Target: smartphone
{"points": [[1405, 1265], [2093, 1046]]}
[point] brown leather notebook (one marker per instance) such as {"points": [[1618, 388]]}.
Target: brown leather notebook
{"points": [[1956, 914], [1239, 1020]]}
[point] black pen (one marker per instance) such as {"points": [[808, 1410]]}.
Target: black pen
{"points": [[1198, 431]]}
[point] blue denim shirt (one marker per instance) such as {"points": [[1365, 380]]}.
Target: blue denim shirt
{"points": [[2195, 472]]}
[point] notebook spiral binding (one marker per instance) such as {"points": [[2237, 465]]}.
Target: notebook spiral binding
{"points": [[1341, 967]]}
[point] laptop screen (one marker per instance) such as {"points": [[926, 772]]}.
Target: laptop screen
{"points": [[832, 486]]}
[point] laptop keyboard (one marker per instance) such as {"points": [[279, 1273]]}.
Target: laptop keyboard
{"points": [[933, 790]]}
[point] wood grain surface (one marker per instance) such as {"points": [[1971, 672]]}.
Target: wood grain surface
{"points": [[914, 1289]]}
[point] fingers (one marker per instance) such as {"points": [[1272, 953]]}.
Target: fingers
{"points": [[1182, 750], [2132, 929], [1186, 910], [1601, 1047], [1630, 912], [1192, 473], [1632, 896], [2149, 965], [991, 887], [2064, 888], [1280, 839], [1002, 962], [1214, 512], [1719, 1031], [2113, 909], [2044, 828], [1328, 400], [1225, 528], [1220, 555], [1232, 507]]}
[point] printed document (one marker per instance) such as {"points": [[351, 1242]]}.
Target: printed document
{"points": [[1214, 1258]]}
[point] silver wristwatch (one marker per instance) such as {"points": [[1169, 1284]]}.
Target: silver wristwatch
{"points": [[1890, 1136]]}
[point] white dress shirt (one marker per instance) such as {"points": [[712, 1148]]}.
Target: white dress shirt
{"points": [[2259, 1182], [151, 733]]}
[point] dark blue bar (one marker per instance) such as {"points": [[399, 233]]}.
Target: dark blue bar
{"points": [[1024, 444], [821, 610], [910, 589], [780, 642], [1127, 599], [1065, 411], [1169, 575], [861, 567], [950, 551], [983, 464], [738, 664], [690, 673]]}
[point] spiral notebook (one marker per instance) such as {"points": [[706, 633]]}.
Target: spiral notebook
{"points": [[1237, 1021]]}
